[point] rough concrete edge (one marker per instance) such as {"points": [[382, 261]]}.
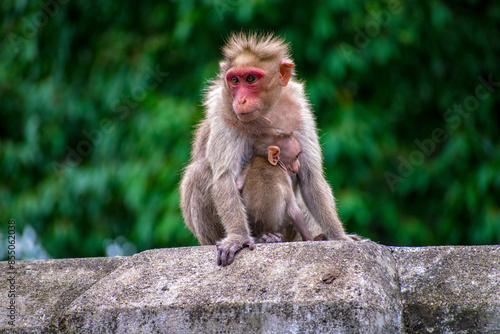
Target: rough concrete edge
{"points": [[382, 249], [408, 304], [61, 307], [52, 324]]}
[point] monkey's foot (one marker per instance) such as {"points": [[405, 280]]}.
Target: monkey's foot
{"points": [[355, 237], [349, 237], [320, 237], [269, 238], [229, 246]]}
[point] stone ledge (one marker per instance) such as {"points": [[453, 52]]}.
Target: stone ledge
{"points": [[450, 289], [302, 287], [46, 288]]}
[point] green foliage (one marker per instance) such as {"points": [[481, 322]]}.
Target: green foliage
{"points": [[99, 102]]}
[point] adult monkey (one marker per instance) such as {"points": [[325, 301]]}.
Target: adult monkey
{"points": [[254, 94]]}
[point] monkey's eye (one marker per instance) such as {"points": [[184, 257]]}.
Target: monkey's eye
{"points": [[251, 78], [234, 80]]}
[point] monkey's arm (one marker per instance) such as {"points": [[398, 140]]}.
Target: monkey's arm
{"points": [[318, 197], [225, 162], [240, 180], [315, 191], [315, 201], [230, 208], [319, 200], [297, 217]]}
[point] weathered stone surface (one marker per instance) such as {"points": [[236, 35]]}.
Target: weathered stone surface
{"points": [[45, 289], [450, 289], [276, 288], [312, 287]]}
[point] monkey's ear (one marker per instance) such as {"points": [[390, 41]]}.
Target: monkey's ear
{"points": [[223, 66], [285, 72], [273, 154]]}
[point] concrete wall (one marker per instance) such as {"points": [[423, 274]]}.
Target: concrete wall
{"points": [[303, 287]]}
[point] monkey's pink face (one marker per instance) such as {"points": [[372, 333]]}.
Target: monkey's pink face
{"points": [[292, 164], [295, 165], [246, 85], [291, 153]]}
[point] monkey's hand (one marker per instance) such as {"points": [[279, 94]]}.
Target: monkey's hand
{"points": [[269, 238], [229, 246]]}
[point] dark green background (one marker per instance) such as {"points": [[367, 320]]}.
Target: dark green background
{"points": [[387, 80]]}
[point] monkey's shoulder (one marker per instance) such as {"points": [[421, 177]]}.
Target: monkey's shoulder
{"points": [[201, 136], [290, 111]]}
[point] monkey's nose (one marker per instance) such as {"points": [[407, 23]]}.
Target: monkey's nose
{"points": [[242, 101]]}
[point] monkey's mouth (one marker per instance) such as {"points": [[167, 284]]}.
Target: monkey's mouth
{"points": [[243, 113], [247, 115]]}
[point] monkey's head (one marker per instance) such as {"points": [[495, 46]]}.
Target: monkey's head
{"points": [[286, 155], [255, 70]]}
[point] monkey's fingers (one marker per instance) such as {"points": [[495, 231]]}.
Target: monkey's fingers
{"points": [[219, 255], [230, 256], [277, 237], [227, 249], [250, 245], [270, 238], [225, 256], [222, 255]]}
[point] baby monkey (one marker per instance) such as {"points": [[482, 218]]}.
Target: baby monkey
{"points": [[268, 184]]}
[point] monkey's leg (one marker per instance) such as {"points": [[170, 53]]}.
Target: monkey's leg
{"points": [[197, 204]]}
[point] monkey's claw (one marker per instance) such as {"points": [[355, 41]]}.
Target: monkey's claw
{"points": [[228, 247]]}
